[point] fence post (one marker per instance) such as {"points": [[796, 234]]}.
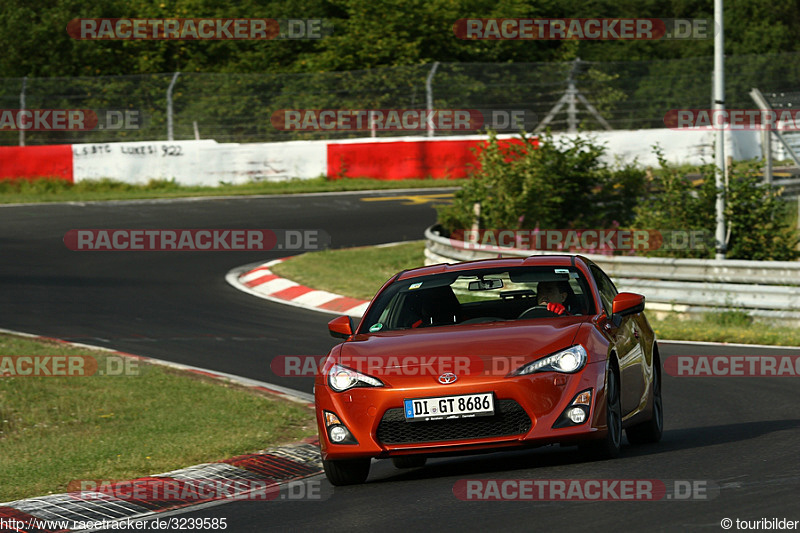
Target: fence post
{"points": [[22, 108], [572, 110], [170, 132], [766, 150], [429, 95]]}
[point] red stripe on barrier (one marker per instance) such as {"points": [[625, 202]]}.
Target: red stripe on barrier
{"points": [[406, 159], [36, 162], [291, 293], [341, 304]]}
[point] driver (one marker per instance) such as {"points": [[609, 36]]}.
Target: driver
{"points": [[553, 294]]}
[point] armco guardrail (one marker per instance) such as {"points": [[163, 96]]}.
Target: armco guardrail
{"points": [[765, 289]]}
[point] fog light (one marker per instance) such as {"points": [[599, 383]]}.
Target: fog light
{"points": [[338, 433], [577, 415], [577, 412]]}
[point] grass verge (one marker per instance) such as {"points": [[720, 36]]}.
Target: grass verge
{"points": [[713, 328], [360, 272], [355, 272], [58, 429], [55, 190]]}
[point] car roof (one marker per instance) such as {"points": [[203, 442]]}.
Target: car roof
{"points": [[509, 262]]}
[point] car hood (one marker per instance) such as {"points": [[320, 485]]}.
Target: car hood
{"points": [[475, 345]]}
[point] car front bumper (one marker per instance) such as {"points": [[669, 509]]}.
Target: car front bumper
{"points": [[526, 409]]}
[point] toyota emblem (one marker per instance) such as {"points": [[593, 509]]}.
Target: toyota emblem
{"points": [[447, 378]]}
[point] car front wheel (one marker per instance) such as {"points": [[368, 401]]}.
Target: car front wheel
{"points": [[651, 430], [609, 446]]}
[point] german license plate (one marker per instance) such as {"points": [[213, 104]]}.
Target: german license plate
{"points": [[449, 407]]}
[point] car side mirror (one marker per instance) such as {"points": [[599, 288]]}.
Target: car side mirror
{"points": [[341, 327], [624, 304]]}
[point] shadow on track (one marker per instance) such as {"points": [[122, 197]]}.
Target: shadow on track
{"points": [[554, 456]]}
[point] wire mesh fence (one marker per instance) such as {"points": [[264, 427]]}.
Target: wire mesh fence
{"points": [[239, 107]]}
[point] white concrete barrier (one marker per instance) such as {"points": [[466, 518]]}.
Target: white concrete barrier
{"points": [[203, 162], [207, 162], [686, 146]]}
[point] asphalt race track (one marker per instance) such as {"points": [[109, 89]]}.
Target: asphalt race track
{"points": [[177, 306], [735, 437]]}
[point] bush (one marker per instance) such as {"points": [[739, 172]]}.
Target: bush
{"points": [[673, 202], [758, 222], [559, 185]]}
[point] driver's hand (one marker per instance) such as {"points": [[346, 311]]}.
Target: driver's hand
{"points": [[556, 308]]}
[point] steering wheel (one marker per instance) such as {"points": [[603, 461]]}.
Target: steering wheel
{"points": [[539, 311]]}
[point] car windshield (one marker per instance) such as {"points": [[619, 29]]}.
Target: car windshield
{"points": [[475, 296]]}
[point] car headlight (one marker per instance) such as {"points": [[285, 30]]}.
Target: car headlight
{"points": [[567, 361], [341, 378]]}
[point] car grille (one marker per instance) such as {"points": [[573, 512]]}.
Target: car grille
{"points": [[509, 419]]}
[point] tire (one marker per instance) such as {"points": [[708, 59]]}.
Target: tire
{"points": [[650, 431], [346, 471], [609, 447], [409, 461]]}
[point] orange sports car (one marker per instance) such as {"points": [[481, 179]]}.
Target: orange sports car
{"points": [[485, 355]]}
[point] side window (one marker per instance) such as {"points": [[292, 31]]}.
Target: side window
{"points": [[606, 287]]}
